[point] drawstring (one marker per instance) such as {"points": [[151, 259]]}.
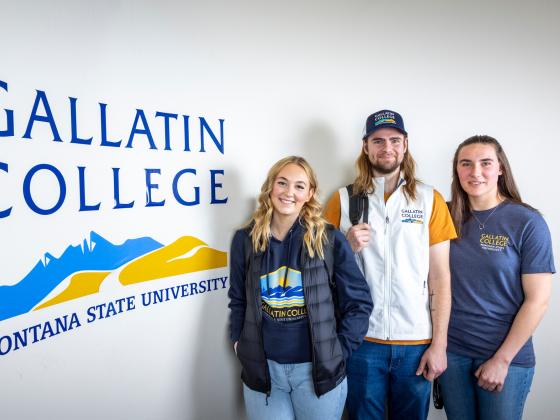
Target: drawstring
{"points": [[267, 269]]}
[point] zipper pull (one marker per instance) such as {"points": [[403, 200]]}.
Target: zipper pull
{"points": [[387, 219], [424, 288]]}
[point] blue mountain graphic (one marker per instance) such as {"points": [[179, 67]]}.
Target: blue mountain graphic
{"points": [[99, 255], [410, 220], [280, 292]]}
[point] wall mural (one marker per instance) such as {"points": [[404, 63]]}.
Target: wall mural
{"points": [[85, 269]]}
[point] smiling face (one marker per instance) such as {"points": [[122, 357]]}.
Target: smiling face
{"points": [[385, 149], [478, 170], [290, 191]]}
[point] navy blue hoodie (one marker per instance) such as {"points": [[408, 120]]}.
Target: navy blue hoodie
{"points": [[285, 326]]}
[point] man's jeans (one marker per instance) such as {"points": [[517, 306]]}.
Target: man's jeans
{"points": [[293, 396], [384, 375], [464, 399]]}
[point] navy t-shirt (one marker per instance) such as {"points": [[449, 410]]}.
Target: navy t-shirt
{"points": [[486, 267]]}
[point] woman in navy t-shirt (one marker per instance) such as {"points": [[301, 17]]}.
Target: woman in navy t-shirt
{"points": [[501, 272]]}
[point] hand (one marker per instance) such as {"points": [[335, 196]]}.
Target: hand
{"points": [[235, 347], [492, 374], [433, 362], [358, 236]]}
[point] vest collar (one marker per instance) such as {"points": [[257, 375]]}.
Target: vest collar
{"points": [[379, 185]]}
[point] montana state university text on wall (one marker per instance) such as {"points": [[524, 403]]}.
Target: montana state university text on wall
{"points": [[140, 136], [46, 329]]}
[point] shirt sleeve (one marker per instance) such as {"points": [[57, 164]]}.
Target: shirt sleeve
{"points": [[536, 247], [354, 297], [236, 293], [441, 223], [332, 210]]}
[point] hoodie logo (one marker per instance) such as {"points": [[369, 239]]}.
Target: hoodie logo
{"points": [[282, 294]]}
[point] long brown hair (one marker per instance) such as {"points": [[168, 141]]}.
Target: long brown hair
{"points": [[507, 189], [363, 184], [310, 215]]}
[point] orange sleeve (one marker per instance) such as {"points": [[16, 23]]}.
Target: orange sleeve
{"points": [[332, 210], [441, 224]]}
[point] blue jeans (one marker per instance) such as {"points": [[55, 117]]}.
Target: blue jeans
{"points": [[464, 399], [293, 396], [384, 375]]}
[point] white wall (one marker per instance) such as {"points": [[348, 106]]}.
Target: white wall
{"points": [[288, 78]]}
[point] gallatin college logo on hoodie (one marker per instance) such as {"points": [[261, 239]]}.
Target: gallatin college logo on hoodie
{"points": [[282, 294]]}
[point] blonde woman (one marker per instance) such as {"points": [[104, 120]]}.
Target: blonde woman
{"points": [[299, 304]]}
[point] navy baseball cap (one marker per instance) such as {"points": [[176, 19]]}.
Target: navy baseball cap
{"points": [[383, 119]]}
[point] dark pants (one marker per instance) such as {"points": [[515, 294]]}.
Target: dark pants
{"points": [[384, 375]]}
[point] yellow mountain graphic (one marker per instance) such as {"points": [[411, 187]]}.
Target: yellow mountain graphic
{"points": [[170, 261], [81, 284]]}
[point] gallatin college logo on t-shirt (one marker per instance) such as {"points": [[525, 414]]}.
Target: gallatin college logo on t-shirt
{"points": [[493, 242]]}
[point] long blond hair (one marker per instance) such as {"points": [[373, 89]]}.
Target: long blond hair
{"points": [[310, 216], [363, 184]]}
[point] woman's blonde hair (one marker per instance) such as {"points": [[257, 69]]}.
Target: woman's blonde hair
{"points": [[363, 184], [310, 215]]}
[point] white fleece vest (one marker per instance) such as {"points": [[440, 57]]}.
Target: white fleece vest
{"points": [[396, 261]]}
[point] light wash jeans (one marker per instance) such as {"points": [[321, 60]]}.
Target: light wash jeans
{"points": [[463, 399], [383, 376], [293, 397]]}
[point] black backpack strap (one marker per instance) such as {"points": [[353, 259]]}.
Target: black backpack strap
{"points": [[365, 209], [358, 206]]}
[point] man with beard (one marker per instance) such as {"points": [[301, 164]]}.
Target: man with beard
{"points": [[403, 250]]}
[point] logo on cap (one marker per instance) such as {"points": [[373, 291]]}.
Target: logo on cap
{"points": [[383, 118], [386, 121]]}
